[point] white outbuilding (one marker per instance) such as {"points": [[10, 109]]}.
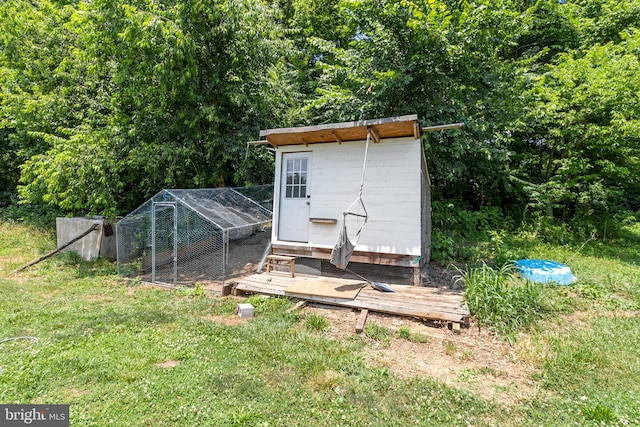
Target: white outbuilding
{"points": [[375, 170]]}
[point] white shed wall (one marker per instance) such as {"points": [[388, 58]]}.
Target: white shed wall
{"points": [[392, 193]]}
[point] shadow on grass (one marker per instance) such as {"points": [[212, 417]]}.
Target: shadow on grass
{"points": [[97, 268], [85, 269], [626, 247]]}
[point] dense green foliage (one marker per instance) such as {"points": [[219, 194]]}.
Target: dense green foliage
{"points": [[104, 103]]}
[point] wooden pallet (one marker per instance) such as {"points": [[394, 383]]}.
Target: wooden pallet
{"points": [[412, 301]]}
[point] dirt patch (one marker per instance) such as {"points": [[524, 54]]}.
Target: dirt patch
{"points": [[473, 360], [226, 320], [168, 364]]}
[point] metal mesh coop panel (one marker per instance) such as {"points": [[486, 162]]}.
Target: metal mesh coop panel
{"points": [[200, 235]]}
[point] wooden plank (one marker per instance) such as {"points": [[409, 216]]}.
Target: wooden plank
{"points": [[454, 306], [419, 292], [375, 135], [369, 257], [335, 135], [401, 291], [404, 299], [406, 291], [284, 281], [362, 319], [227, 288], [269, 290], [298, 306], [403, 294], [410, 304], [391, 127], [425, 303], [425, 290], [323, 220], [325, 253], [329, 288], [383, 307], [281, 257]]}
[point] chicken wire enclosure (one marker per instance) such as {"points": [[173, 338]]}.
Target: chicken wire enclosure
{"points": [[189, 236]]}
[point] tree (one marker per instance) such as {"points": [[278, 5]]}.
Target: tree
{"points": [[432, 58], [33, 48], [165, 95], [582, 131]]}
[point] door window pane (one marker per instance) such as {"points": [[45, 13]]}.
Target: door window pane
{"points": [[296, 178]]}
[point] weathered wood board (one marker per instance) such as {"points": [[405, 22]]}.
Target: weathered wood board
{"points": [[412, 301], [322, 286]]}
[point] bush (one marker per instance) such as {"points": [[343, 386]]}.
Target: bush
{"points": [[41, 216], [455, 230], [500, 301]]}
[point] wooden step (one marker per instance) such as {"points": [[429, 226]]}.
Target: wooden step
{"points": [[281, 260]]}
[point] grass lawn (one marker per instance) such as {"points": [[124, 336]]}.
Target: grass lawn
{"points": [[122, 353]]}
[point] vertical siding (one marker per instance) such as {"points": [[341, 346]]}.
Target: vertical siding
{"points": [[392, 193]]}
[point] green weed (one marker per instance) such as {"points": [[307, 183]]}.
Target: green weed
{"points": [[198, 290], [500, 301], [195, 291], [450, 348], [486, 370], [378, 333], [405, 333], [599, 414], [317, 323]]}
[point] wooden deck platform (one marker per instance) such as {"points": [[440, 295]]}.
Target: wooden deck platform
{"points": [[412, 301]]}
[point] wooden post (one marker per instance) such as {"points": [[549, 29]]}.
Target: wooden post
{"points": [[362, 319], [52, 253], [298, 306], [417, 276], [227, 288]]}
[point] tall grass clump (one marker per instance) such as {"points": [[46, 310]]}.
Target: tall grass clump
{"points": [[500, 300]]}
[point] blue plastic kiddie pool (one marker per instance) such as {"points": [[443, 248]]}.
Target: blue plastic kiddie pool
{"points": [[545, 271]]}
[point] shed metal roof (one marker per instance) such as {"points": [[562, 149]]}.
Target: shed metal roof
{"points": [[390, 127]]}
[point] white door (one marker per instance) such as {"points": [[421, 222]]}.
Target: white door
{"points": [[295, 200]]}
